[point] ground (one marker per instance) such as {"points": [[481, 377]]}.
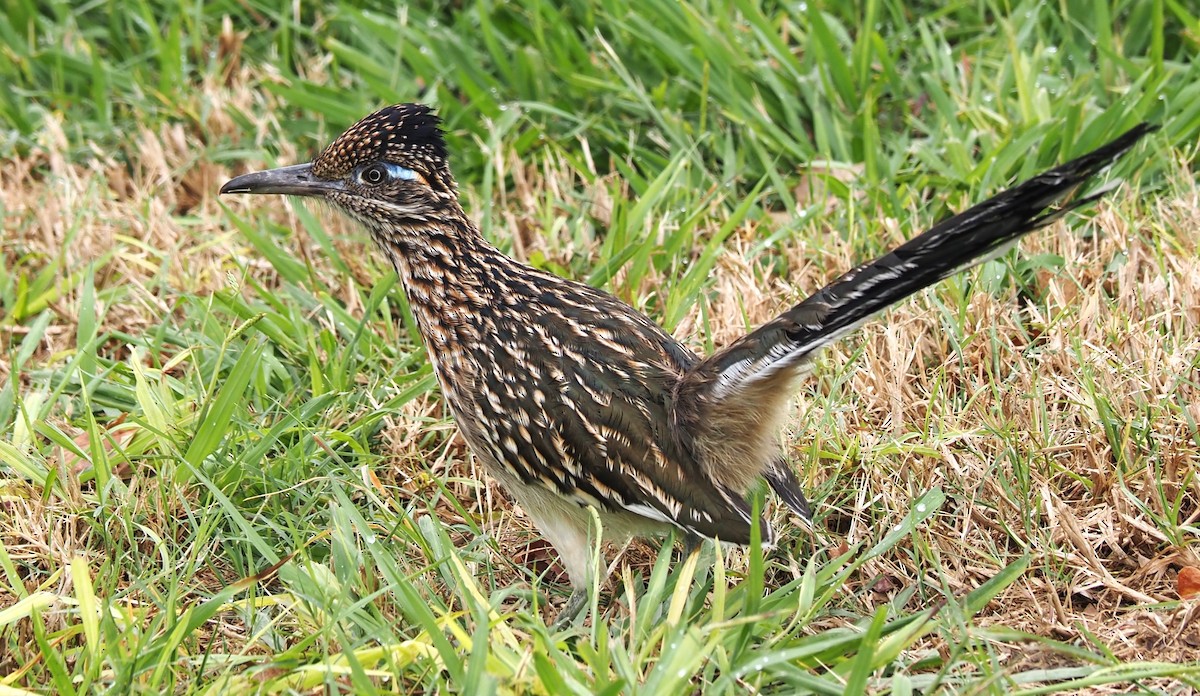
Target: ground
{"points": [[217, 423]]}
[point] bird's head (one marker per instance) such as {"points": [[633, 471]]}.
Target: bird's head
{"points": [[389, 168]]}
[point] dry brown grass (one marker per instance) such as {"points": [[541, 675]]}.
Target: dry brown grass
{"points": [[1015, 392], [1097, 520]]}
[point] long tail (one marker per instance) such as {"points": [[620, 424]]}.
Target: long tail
{"points": [[735, 398], [955, 244]]}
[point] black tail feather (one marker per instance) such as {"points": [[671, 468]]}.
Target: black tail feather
{"points": [[965, 239], [781, 479], [952, 245]]}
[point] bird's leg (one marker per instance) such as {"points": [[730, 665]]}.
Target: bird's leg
{"points": [[567, 527], [575, 604], [582, 573], [691, 544]]}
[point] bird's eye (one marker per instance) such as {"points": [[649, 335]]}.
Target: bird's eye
{"points": [[373, 175], [383, 171]]}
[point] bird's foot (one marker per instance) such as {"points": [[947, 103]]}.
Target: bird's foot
{"points": [[575, 604]]}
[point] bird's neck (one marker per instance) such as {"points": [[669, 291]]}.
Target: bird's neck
{"points": [[461, 290], [447, 252], [449, 272]]}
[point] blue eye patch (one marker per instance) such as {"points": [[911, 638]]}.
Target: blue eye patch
{"points": [[395, 171], [380, 171]]}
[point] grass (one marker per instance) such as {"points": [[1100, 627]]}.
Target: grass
{"points": [[224, 465]]}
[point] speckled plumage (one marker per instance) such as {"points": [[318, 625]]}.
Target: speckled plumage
{"points": [[571, 398]]}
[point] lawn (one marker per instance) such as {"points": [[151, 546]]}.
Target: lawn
{"points": [[225, 466]]}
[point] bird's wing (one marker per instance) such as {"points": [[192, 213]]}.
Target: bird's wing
{"points": [[596, 427]]}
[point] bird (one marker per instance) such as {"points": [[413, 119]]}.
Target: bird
{"points": [[573, 400]]}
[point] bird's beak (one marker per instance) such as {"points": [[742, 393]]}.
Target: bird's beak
{"points": [[296, 180]]}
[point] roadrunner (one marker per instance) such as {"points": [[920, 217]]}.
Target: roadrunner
{"points": [[573, 399]]}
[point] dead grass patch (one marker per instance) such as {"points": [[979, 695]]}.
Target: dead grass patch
{"points": [[1014, 391]]}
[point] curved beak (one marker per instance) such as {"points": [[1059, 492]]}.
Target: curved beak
{"points": [[296, 180]]}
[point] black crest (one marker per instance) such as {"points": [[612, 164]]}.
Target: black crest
{"points": [[406, 134]]}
